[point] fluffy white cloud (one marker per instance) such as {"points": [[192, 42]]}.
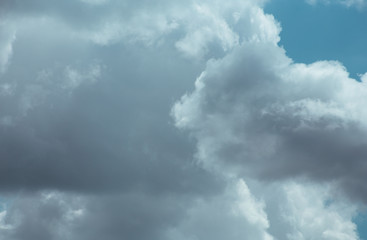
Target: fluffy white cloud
{"points": [[313, 214]]}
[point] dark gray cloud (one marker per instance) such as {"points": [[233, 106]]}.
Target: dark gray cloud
{"points": [[110, 132], [85, 126], [64, 216], [85, 129], [81, 115]]}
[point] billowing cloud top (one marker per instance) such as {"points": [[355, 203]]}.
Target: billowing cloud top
{"points": [[172, 120]]}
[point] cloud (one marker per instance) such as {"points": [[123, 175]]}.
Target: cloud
{"points": [[73, 105], [279, 211], [257, 113], [301, 210], [235, 214], [90, 151], [135, 215], [67, 216], [7, 37], [79, 116], [317, 219], [87, 137]]}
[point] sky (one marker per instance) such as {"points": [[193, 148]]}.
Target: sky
{"points": [[173, 120], [328, 32]]}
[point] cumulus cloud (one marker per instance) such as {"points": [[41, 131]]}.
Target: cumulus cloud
{"points": [[69, 103], [303, 210], [90, 151], [257, 113], [311, 216]]}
